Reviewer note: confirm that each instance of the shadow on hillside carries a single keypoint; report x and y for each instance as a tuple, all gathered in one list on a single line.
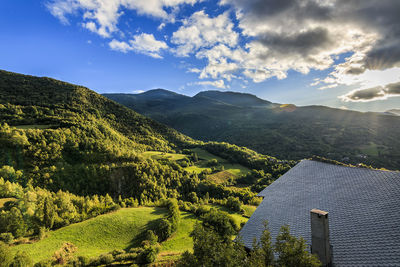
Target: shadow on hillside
[(137, 240)]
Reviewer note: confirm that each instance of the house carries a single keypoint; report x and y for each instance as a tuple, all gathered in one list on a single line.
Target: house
[(363, 207)]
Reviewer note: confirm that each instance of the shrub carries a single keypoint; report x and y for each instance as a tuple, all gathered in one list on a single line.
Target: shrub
[(65, 253), (149, 255), (106, 259), (151, 237), (126, 257), (21, 259), (7, 238), (164, 229), (233, 203), (46, 263), (220, 222), (192, 197)]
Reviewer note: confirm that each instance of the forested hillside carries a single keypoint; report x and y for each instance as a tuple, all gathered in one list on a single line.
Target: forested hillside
[(68, 154), (284, 131)]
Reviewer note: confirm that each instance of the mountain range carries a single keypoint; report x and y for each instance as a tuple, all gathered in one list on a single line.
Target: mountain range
[(282, 130)]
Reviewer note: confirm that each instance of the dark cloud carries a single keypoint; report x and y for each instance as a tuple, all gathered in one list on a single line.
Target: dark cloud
[(393, 88), (302, 43), (355, 71), (381, 17), (374, 93)]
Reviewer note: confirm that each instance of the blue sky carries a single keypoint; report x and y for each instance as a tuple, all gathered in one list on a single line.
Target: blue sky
[(269, 48)]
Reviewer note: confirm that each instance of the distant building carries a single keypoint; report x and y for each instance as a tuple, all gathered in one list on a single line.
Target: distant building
[(350, 216)]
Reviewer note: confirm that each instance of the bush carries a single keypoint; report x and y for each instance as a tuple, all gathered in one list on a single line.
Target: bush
[(192, 197), (149, 255), (151, 237), (65, 253), (47, 263), (164, 229), (7, 238), (220, 222), (126, 257), (233, 203), (106, 259), (212, 163), (21, 259)]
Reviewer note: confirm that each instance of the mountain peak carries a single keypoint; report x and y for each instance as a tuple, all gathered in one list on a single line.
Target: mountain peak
[(159, 92), (235, 98)]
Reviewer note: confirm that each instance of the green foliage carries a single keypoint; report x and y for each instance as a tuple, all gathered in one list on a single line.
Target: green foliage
[(163, 230), (212, 163), (211, 249), (64, 254), (233, 203), (21, 259), (5, 255), (7, 238), (286, 131), (37, 207), (293, 251), (151, 237), (220, 222)]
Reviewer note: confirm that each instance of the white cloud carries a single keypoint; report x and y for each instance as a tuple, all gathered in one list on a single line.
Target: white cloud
[(202, 31), (143, 43), (120, 46), (161, 26), (138, 91), (217, 84), (102, 16)]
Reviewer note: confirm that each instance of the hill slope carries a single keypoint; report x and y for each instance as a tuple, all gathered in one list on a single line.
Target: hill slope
[(64, 136), (119, 230), (284, 131)]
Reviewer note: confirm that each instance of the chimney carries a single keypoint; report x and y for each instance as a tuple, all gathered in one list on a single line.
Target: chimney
[(320, 243)]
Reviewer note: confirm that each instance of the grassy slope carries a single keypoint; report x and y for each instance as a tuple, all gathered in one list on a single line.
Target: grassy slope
[(235, 169), (118, 230)]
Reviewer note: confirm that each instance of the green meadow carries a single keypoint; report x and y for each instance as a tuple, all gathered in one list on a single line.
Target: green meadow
[(122, 229)]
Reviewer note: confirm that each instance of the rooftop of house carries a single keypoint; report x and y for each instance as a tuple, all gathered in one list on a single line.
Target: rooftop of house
[(363, 206)]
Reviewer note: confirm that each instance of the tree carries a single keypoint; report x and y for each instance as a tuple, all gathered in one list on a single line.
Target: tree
[(210, 249), (293, 251), (262, 253), (49, 213), (233, 203), (221, 223), (163, 230)]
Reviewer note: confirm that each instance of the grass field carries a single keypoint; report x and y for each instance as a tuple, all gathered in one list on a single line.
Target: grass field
[(161, 155), (231, 170), (119, 230), (180, 241), (372, 149), (248, 210), (234, 169)]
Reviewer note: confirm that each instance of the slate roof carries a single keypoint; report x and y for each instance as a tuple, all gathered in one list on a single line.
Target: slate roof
[(363, 206)]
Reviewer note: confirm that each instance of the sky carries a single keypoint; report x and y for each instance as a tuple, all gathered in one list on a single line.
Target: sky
[(338, 53)]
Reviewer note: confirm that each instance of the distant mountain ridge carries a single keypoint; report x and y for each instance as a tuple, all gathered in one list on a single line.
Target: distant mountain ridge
[(281, 130)]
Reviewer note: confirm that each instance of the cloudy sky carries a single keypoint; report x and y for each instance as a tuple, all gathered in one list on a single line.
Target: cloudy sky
[(339, 53)]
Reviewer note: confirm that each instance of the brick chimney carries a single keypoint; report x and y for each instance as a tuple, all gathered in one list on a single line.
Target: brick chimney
[(320, 243)]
